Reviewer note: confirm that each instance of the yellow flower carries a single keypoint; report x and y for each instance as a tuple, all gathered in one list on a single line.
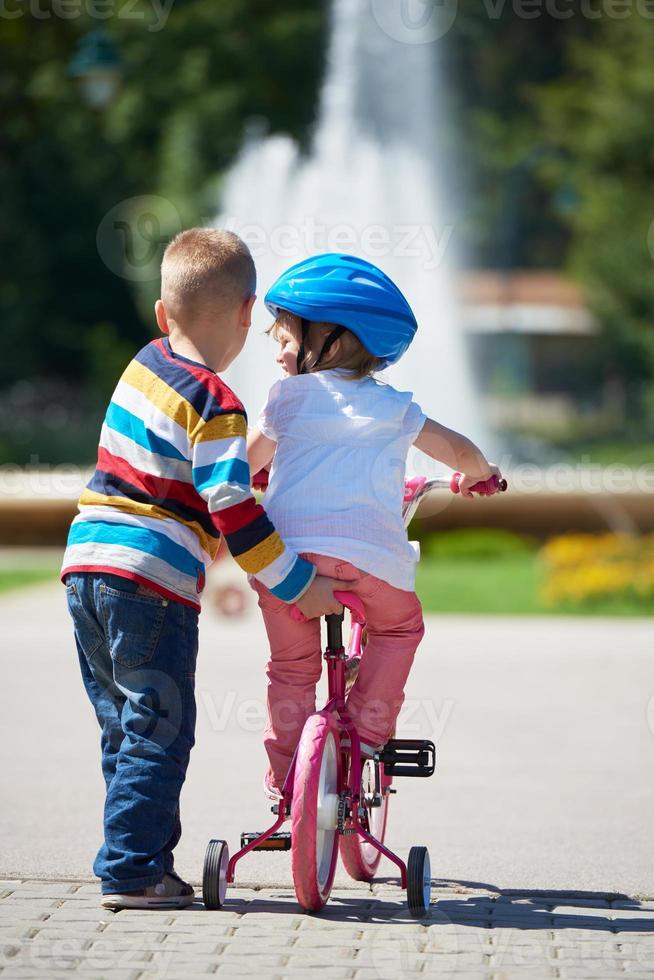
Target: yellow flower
[(583, 568)]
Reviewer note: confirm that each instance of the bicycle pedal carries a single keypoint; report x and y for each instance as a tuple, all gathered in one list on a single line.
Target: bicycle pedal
[(281, 841), (408, 757)]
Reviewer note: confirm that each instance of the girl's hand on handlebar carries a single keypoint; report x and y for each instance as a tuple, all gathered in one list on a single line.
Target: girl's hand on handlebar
[(319, 599), (467, 482)]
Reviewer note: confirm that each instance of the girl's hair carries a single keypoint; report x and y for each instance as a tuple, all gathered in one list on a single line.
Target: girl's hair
[(352, 357)]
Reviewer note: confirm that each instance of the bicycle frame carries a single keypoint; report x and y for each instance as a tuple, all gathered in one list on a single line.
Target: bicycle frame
[(335, 658)]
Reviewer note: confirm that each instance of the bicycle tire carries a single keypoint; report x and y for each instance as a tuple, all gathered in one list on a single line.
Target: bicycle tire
[(214, 874), (418, 881), (360, 858), (314, 832)]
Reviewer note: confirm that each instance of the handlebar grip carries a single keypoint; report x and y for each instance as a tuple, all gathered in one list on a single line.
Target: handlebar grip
[(485, 488), (260, 480)]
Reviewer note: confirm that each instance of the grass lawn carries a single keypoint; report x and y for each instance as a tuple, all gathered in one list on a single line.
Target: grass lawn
[(499, 584), (604, 452), (14, 578)]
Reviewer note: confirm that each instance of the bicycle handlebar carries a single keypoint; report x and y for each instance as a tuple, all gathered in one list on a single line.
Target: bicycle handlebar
[(485, 488), (414, 490)]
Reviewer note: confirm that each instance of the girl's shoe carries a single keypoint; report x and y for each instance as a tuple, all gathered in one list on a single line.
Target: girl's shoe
[(351, 672), (367, 751), (170, 893), (269, 788)]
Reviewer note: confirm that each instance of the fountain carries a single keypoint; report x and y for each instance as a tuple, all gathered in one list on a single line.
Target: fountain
[(369, 186)]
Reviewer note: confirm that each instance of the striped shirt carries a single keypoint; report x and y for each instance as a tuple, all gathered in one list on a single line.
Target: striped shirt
[(172, 476)]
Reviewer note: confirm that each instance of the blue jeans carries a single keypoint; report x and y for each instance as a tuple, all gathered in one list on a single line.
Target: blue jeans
[(137, 653)]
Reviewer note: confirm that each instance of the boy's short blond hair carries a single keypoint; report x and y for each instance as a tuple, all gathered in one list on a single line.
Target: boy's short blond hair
[(206, 266)]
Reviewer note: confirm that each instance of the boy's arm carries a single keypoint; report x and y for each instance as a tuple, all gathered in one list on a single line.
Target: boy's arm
[(221, 476), (456, 451), (261, 450)]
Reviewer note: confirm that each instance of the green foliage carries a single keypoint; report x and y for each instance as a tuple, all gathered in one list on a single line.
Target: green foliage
[(507, 584), (607, 452), (28, 567), (192, 84), (543, 131), (598, 117), (476, 543), (492, 62), (19, 578), (547, 134)]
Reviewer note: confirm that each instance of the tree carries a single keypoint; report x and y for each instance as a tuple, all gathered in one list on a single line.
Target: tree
[(492, 63), (597, 120), (192, 82)]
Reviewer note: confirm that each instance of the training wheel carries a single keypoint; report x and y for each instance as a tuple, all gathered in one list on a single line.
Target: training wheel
[(418, 881), (214, 874)]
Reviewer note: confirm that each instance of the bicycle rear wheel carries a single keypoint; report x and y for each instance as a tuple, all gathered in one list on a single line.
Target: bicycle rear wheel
[(360, 858), (314, 811)]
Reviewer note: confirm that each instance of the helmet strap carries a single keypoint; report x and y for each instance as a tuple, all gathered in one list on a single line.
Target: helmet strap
[(301, 354), (333, 336)]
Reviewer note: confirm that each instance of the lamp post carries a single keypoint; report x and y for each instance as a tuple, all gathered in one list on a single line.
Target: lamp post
[(98, 67)]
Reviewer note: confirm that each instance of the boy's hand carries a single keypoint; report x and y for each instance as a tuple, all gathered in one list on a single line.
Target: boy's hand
[(319, 599), (466, 482)]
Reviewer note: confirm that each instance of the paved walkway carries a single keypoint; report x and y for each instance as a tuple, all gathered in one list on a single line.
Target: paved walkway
[(544, 732), (56, 929), (539, 818)]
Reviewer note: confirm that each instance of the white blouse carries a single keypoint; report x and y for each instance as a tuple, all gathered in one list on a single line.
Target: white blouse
[(337, 478)]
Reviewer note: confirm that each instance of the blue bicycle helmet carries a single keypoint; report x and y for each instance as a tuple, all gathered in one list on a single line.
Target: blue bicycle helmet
[(352, 293)]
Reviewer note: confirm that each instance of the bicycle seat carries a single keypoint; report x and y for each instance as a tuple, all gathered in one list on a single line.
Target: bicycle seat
[(354, 604), (347, 599)]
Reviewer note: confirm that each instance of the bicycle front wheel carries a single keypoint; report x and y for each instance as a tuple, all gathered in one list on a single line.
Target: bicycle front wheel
[(314, 811), (360, 858)]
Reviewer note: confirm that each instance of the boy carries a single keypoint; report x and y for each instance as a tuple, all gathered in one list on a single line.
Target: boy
[(172, 476)]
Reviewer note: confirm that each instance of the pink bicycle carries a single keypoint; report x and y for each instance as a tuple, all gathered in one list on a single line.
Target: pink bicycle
[(337, 799)]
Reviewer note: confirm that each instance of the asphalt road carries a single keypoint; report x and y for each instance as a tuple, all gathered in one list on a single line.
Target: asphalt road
[(544, 730)]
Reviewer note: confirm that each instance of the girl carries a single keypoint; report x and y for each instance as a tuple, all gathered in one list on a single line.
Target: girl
[(338, 440)]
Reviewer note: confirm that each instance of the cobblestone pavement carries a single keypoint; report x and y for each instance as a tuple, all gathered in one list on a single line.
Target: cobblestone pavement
[(55, 929), (544, 731)]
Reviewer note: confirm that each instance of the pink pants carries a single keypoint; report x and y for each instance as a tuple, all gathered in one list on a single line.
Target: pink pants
[(395, 628)]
